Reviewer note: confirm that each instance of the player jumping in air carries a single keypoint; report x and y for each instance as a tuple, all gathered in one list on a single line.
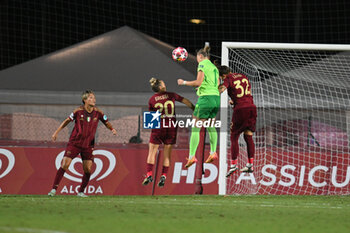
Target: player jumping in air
[(164, 102), (81, 140), (208, 103), (243, 117)]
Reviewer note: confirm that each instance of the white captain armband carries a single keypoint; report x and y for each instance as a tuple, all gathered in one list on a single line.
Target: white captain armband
[(71, 116)]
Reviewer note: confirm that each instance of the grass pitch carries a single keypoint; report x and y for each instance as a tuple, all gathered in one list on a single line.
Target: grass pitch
[(165, 214)]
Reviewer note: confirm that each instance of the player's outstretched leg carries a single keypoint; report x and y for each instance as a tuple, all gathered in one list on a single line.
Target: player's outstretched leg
[(166, 161), (248, 137), (85, 181), (59, 175), (149, 177), (87, 164), (213, 138), (165, 169), (194, 141), (152, 151)]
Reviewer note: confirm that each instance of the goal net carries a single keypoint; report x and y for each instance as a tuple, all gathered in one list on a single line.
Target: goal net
[(302, 93)]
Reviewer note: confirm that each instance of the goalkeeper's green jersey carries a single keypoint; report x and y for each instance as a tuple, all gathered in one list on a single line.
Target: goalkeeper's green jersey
[(210, 84)]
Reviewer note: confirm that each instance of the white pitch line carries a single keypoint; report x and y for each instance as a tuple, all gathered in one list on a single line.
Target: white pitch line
[(29, 230)]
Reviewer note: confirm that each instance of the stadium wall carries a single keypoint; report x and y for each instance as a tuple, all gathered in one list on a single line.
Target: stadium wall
[(120, 171)]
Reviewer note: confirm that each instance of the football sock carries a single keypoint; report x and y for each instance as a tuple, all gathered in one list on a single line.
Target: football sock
[(59, 174), (86, 178), (213, 138), (149, 169), (234, 162), (234, 146), (165, 170), (250, 161), (250, 147), (194, 141)]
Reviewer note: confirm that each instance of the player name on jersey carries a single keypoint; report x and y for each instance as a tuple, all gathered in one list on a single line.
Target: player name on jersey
[(162, 97)]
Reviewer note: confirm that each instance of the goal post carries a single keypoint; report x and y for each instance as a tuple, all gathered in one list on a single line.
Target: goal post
[(223, 130), (302, 93)]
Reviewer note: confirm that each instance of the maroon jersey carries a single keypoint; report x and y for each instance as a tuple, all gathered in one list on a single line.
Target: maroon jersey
[(83, 134), (239, 90), (165, 103)]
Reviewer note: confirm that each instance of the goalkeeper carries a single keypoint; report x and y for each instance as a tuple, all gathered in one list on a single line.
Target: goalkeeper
[(208, 103)]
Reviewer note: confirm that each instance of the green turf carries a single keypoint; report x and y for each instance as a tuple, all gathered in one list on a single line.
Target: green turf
[(175, 214)]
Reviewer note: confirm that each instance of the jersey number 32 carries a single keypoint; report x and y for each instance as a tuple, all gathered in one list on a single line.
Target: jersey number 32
[(244, 91)]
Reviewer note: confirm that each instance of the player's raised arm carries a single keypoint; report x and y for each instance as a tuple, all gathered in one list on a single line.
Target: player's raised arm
[(194, 83), (188, 103), (183, 100), (223, 72), (63, 124)]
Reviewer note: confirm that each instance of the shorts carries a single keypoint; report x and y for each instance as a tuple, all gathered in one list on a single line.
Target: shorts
[(207, 106), (243, 119), (73, 151), (166, 136)]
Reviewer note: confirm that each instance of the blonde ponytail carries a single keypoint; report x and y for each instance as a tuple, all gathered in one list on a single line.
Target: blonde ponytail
[(207, 49), (152, 81), (155, 83), (204, 51)]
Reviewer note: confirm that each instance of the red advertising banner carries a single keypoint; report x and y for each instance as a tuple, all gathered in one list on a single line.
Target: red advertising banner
[(26, 170), (286, 172), (31, 170)]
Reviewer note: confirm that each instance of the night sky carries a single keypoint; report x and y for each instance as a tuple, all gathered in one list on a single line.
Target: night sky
[(30, 29)]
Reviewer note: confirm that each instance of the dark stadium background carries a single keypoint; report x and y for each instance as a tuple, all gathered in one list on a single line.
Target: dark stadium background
[(32, 28)]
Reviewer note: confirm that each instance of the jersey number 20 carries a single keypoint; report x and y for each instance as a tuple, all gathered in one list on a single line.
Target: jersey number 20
[(168, 111)]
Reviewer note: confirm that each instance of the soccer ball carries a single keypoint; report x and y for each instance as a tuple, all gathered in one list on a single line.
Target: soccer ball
[(180, 54)]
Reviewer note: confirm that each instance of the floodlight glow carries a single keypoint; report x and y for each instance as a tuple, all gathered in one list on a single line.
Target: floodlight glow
[(197, 21)]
